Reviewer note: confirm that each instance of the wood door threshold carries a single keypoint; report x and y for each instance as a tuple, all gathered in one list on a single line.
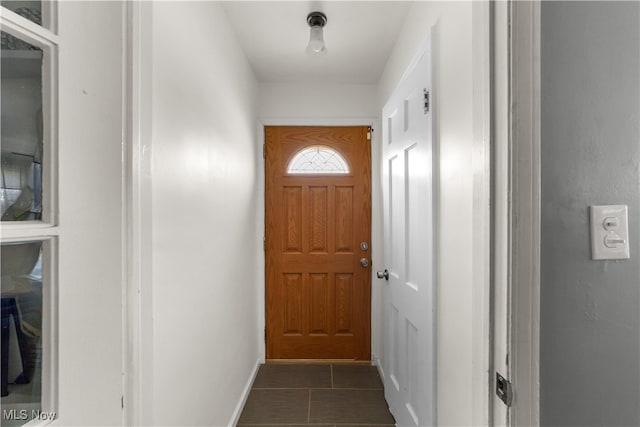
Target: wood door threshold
[(318, 361)]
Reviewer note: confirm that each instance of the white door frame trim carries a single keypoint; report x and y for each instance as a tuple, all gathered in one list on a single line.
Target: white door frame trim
[(138, 289), (376, 215), (516, 203), (501, 209), (525, 211), (482, 221)]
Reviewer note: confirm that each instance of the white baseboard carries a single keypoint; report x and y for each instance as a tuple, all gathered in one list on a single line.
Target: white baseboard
[(378, 364), (243, 398)]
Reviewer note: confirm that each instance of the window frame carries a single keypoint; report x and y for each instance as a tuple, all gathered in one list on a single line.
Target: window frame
[(342, 158), (48, 42), (45, 230)]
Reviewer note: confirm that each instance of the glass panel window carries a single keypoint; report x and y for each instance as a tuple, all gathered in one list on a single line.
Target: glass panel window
[(21, 130), (22, 315), (318, 159), (29, 9), (28, 111)]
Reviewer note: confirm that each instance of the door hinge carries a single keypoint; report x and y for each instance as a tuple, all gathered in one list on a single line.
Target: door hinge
[(426, 101), (265, 334), (264, 244), (369, 132), (122, 401), (264, 151), (504, 389)]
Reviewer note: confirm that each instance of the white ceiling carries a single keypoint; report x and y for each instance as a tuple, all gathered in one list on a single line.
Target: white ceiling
[(359, 36)]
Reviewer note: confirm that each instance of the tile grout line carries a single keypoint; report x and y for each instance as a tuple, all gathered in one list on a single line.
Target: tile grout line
[(331, 368), (309, 409)]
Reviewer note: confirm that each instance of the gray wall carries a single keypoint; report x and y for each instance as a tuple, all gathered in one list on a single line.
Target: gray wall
[(589, 349)]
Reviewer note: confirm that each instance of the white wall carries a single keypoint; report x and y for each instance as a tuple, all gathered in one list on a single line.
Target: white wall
[(317, 101), (204, 206), (453, 103), (90, 246)]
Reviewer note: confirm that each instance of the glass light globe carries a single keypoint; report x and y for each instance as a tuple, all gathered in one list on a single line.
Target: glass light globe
[(316, 42)]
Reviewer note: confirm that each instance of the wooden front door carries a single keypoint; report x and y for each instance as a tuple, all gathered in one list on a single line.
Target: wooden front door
[(318, 231)]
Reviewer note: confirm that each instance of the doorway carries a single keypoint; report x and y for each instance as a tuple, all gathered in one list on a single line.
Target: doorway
[(317, 242)]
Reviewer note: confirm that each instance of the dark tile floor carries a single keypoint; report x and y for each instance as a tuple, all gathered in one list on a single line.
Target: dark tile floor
[(295, 395)]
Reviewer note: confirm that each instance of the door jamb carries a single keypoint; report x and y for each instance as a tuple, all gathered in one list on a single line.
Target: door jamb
[(482, 164), (137, 296), (376, 219), (500, 342), (520, 248), (525, 211)]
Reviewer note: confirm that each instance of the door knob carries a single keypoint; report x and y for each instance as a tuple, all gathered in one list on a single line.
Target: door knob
[(383, 275), (364, 262)]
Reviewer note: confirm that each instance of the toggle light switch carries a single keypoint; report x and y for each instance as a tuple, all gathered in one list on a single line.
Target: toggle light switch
[(609, 232), (611, 223), (613, 241)]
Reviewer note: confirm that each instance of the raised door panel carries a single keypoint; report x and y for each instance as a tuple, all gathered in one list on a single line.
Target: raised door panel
[(319, 303), (318, 221), (292, 199), (344, 219), (344, 304), (292, 304)]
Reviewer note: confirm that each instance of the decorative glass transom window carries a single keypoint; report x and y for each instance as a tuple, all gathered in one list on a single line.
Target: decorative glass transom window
[(318, 159)]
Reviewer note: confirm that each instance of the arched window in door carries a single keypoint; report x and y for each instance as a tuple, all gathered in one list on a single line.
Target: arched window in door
[(318, 159)]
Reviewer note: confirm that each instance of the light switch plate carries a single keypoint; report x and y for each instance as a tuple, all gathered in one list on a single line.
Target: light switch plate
[(609, 232)]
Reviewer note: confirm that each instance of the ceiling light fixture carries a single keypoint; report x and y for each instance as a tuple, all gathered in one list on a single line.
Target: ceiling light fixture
[(316, 21)]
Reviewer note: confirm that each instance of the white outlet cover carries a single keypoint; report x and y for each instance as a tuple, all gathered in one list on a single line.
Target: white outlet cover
[(609, 232)]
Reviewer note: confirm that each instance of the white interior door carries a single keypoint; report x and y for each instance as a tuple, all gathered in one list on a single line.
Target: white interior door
[(408, 186)]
